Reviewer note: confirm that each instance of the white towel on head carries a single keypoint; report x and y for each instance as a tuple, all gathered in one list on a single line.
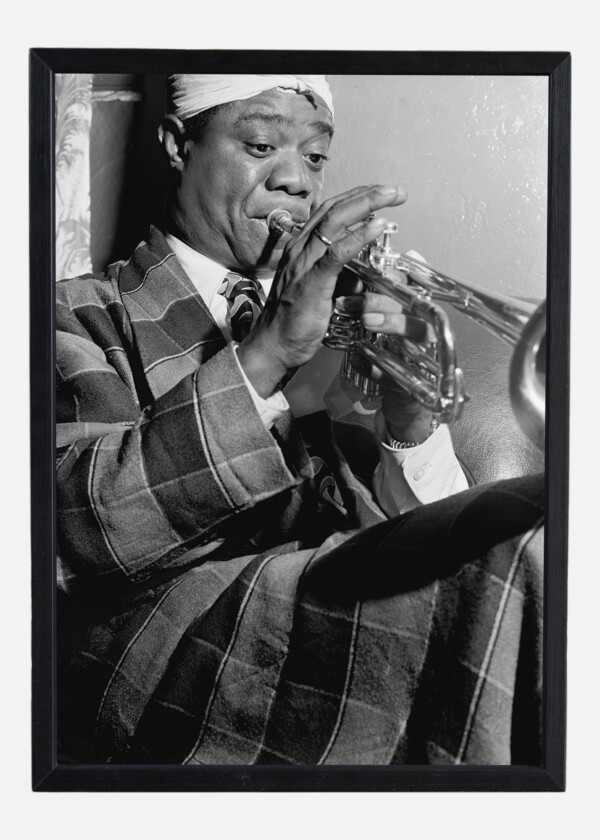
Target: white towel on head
[(192, 93)]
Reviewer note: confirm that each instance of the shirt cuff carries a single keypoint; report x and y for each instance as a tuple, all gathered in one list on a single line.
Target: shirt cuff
[(269, 409), (407, 478)]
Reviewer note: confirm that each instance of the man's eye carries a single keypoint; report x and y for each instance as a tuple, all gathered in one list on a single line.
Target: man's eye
[(316, 160), (259, 149)]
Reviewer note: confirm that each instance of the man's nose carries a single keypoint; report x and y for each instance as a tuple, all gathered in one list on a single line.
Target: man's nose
[(289, 173)]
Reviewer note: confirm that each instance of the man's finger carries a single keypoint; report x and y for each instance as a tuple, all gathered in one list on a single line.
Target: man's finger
[(304, 235), (383, 314), (334, 218), (372, 302), (351, 211), (348, 246), (399, 324)]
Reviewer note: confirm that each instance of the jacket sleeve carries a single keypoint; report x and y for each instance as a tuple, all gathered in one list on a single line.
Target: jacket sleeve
[(137, 487)]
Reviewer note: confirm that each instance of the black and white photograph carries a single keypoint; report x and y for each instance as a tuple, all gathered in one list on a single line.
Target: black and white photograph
[(308, 519)]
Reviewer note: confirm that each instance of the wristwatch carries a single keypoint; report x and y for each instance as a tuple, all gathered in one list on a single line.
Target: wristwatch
[(393, 443)]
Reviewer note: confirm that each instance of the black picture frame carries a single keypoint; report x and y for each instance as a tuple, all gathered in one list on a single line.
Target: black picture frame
[(47, 774)]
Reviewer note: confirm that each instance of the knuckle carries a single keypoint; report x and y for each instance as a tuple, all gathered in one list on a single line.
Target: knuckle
[(373, 301), (383, 303), (352, 242), (337, 252), (327, 204), (328, 216)]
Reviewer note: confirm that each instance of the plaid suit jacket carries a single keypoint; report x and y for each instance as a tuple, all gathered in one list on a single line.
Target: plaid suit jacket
[(160, 446), (204, 619)]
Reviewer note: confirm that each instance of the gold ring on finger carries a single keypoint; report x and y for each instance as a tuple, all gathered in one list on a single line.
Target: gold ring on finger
[(323, 238)]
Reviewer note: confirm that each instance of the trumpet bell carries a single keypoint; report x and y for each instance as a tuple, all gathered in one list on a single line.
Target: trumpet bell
[(528, 377)]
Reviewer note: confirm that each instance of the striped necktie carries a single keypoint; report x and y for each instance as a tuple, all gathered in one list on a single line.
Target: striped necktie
[(243, 300)]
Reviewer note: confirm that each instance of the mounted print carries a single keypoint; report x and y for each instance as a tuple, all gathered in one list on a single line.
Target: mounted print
[(299, 419)]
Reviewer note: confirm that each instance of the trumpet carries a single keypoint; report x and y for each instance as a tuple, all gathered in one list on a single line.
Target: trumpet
[(429, 371)]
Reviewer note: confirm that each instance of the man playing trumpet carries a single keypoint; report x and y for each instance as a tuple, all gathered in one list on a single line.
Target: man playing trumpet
[(235, 594)]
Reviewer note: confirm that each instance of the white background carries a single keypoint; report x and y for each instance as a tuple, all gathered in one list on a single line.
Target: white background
[(459, 25)]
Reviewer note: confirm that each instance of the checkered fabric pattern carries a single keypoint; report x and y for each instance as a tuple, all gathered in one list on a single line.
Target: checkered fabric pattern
[(243, 300), (214, 610)]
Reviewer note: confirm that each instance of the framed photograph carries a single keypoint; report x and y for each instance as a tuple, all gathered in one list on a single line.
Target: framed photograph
[(299, 413)]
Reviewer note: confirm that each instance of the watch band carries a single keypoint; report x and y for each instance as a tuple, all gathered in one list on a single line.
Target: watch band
[(393, 443)]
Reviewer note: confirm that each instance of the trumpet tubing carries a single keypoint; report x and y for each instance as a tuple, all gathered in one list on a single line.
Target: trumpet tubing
[(429, 372)]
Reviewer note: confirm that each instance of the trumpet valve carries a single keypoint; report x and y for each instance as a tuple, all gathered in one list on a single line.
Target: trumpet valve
[(382, 255)]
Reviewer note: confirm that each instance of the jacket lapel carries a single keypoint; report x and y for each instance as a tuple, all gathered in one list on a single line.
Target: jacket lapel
[(173, 330)]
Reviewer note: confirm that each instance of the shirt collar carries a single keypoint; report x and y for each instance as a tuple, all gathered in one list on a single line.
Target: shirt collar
[(206, 274)]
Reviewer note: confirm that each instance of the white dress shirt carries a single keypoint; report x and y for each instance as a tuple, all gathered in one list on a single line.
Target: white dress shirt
[(404, 478), (207, 276)]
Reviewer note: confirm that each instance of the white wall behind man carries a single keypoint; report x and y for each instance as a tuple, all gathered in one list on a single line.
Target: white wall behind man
[(472, 153)]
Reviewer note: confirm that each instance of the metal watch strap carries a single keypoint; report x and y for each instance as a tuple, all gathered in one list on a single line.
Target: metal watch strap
[(391, 441)]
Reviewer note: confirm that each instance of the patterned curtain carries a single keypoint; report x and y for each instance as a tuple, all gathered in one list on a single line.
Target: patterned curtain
[(73, 122)]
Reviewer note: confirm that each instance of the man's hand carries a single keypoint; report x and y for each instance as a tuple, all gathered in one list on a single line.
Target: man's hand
[(407, 419), (297, 312)]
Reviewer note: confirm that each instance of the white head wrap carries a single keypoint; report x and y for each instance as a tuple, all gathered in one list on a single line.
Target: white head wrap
[(192, 93)]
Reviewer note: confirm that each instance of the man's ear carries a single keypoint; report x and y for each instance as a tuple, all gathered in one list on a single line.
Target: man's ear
[(171, 135)]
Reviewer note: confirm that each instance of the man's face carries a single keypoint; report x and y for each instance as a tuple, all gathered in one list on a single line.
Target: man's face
[(254, 156)]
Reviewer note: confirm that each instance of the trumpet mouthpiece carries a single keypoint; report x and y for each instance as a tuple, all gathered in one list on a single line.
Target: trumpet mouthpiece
[(281, 221)]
